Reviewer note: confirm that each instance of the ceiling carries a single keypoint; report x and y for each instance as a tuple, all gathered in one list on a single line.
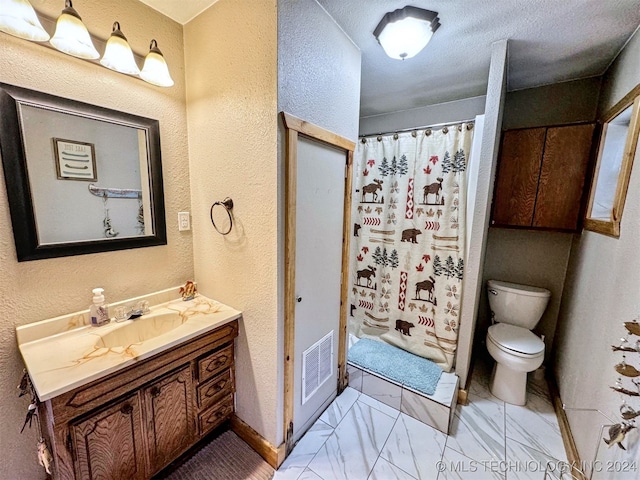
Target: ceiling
[(549, 41)]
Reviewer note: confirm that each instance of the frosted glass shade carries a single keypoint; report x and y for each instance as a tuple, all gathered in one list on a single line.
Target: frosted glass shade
[(405, 32), (18, 18), (155, 69), (71, 36), (118, 55)]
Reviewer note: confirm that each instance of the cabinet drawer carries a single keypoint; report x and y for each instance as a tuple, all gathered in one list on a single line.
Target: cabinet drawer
[(217, 387), (215, 415), (214, 363)]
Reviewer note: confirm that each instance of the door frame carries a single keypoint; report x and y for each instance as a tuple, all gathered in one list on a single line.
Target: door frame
[(294, 127)]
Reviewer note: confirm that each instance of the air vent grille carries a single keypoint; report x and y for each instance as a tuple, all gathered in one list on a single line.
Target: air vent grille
[(317, 366)]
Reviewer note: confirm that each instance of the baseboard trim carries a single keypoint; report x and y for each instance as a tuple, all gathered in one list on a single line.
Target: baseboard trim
[(463, 397), (274, 456), (573, 457)]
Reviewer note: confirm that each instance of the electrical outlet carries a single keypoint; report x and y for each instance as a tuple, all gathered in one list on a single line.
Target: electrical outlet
[(184, 222)]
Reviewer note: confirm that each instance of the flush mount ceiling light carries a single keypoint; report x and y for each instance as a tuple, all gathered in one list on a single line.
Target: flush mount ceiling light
[(18, 18), (403, 33), (71, 36), (155, 70), (118, 55)]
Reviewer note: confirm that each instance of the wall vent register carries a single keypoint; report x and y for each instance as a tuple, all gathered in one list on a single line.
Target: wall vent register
[(317, 366)]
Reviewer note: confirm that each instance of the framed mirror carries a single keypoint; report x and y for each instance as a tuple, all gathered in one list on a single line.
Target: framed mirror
[(616, 150), (80, 178)]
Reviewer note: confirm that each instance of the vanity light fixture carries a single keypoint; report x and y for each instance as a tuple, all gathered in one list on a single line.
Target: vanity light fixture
[(403, 33), (118, 55), (18, 18), (155, 70), (71, 36)]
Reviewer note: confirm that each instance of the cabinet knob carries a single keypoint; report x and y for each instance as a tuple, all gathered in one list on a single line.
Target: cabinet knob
[(155, 391), (298, 299), (126, 409)]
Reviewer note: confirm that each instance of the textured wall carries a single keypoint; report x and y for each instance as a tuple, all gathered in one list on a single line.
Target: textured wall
[(231, 76), (31, 291), (601, 292), (456, 111)]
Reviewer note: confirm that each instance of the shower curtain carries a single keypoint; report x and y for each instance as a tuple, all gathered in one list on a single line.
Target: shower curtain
[(407, 251)]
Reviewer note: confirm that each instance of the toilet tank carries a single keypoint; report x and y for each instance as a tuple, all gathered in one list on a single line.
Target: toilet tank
[(515, 304)]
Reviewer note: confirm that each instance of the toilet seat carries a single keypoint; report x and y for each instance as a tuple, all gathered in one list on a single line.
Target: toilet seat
[(515, 340)]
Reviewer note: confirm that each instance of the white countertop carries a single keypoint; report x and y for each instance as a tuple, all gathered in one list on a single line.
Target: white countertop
[(64, 353)]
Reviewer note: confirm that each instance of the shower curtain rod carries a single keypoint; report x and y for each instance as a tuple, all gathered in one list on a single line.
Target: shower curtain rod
[(426, 127)]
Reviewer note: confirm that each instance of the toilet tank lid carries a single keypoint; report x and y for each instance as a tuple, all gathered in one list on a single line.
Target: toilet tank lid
[(527, 290), (516, 338)]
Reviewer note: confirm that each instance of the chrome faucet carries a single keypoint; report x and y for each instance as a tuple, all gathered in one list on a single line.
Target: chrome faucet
[(129, 312)]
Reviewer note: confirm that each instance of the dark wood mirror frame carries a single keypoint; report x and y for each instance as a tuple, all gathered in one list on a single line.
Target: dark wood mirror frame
[(18, 187)]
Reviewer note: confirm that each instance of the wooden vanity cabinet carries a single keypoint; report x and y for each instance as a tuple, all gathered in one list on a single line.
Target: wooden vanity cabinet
[(541, 177), (133, 423)]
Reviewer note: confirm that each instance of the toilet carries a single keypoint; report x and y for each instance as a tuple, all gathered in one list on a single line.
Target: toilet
[(515, 310)]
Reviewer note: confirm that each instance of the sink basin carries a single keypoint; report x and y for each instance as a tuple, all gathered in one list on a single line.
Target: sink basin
[(140, 330)]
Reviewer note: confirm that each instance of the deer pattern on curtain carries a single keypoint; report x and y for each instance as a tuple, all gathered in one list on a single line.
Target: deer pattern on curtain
[(407, 254)]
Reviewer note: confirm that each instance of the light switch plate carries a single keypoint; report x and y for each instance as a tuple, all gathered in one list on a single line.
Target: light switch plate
[(184, 222)]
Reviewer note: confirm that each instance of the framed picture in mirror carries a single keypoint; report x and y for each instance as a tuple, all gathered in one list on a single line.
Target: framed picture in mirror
[(616, 150)]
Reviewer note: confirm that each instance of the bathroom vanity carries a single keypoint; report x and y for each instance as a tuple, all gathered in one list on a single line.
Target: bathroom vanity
[(142, 404)]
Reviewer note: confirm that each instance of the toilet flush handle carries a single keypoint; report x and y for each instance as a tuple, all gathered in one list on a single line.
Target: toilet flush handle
[(493, 292)]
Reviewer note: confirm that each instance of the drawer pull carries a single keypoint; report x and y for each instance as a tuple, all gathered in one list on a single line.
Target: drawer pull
[(155, 391), (126, 409), (220, 362)]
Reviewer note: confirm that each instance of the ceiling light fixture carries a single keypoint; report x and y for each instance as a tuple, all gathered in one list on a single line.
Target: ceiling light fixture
[(403, 33), (118, 55), (71, 36), (155, 70), (18, 18)]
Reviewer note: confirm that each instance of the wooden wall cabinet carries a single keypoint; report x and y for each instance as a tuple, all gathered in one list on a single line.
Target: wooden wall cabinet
[(541, 177), (133, 423)]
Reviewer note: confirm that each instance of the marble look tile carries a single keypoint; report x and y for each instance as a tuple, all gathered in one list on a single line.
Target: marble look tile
[(478, 430), (304, 451), (446, 390), (414, 447), (456, 466), (536, 425), (425, 410), (384, 470), (333, 415), (353, 448), (355, 377), (309, 475), (384, 408), (526, 463), (382, 390)]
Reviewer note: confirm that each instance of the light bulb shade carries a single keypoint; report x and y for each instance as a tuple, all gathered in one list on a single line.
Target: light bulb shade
[(18, 18), (155, 69), (405, 32), (118, 55), (71, 36)]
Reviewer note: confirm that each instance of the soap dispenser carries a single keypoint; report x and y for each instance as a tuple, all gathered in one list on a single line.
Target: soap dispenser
[(99, 310)]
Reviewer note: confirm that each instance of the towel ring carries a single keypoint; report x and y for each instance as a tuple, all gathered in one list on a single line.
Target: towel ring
[(227, 203)]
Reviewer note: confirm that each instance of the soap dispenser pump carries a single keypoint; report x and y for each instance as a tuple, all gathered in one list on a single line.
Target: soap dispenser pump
[(99, 310)]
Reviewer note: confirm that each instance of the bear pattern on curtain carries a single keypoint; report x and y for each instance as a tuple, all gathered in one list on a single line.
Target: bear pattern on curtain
[(407, 254)]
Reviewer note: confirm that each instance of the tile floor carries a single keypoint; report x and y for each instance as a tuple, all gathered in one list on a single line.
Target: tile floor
[(360, 438)]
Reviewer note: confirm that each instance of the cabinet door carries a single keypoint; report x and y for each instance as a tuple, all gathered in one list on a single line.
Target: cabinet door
[(517, 179), (109, 444), (170, 418), (564, 168)]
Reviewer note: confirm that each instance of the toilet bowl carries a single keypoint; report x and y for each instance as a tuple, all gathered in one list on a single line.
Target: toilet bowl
[(515, 310)]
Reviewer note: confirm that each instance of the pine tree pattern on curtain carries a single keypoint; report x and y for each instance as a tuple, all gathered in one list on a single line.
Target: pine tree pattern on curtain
[(407, 254)]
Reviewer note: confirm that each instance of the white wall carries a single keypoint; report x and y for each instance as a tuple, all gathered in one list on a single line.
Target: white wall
[(601, 292), (448, 112), (231, 76)]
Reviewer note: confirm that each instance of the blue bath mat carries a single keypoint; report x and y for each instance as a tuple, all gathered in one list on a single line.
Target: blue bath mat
[(396, 364)]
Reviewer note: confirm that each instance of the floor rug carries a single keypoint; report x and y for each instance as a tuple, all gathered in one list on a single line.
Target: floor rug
[(226, 457), (396, 365)]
